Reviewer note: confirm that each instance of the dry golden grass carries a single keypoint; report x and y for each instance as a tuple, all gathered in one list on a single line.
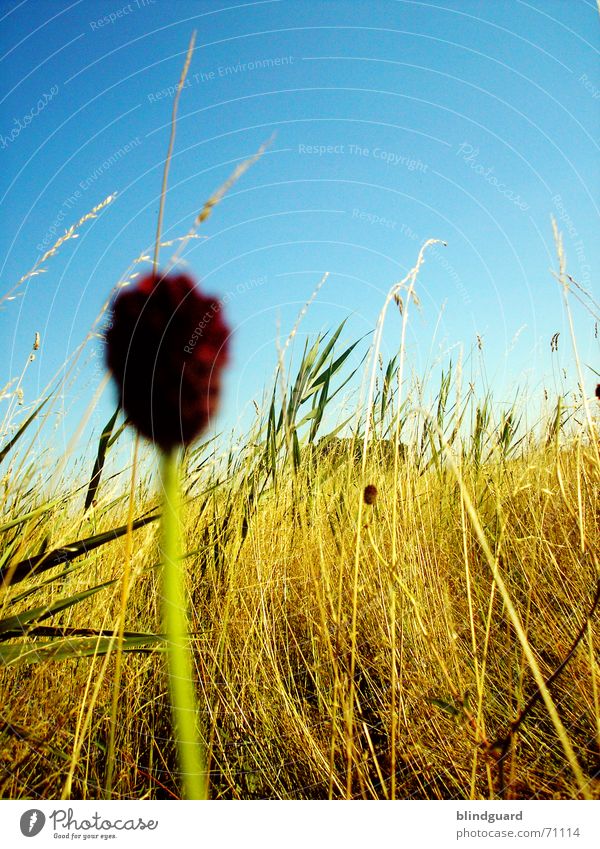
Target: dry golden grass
[(302, 697)]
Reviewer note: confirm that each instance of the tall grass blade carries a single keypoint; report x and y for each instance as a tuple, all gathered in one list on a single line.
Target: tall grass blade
[(6, 448), (67, 649), (26, 517), (100, 458), (42, 562), (12, 626)]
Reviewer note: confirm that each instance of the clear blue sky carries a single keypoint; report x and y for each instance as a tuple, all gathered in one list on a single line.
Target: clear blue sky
[(395, 121)]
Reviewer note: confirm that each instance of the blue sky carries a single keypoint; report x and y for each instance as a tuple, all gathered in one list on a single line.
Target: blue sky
[(395, 121)]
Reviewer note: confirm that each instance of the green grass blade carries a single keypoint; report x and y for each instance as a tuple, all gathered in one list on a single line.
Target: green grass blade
[(17, 654), (27, 516), (328, 373), (42, 562), (36, 587), (296, 450), (328, 348), (100, 458), (387, 384), (12, 625), (321, 403), (4, 451)]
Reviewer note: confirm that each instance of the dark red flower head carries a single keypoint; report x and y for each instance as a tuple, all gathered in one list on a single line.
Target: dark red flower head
[(166, 348), (370, 494)]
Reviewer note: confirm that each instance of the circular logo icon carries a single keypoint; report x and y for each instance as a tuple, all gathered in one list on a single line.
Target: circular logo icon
[(32, 822)]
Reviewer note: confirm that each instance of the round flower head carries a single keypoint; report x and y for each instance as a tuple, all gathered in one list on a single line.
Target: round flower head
[(165, 348), (370, 494)]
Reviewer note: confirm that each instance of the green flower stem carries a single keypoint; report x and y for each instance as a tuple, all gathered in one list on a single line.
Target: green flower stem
[(190, 750)]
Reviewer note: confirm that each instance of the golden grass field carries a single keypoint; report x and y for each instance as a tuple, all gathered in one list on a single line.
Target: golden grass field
[(394, 649)]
